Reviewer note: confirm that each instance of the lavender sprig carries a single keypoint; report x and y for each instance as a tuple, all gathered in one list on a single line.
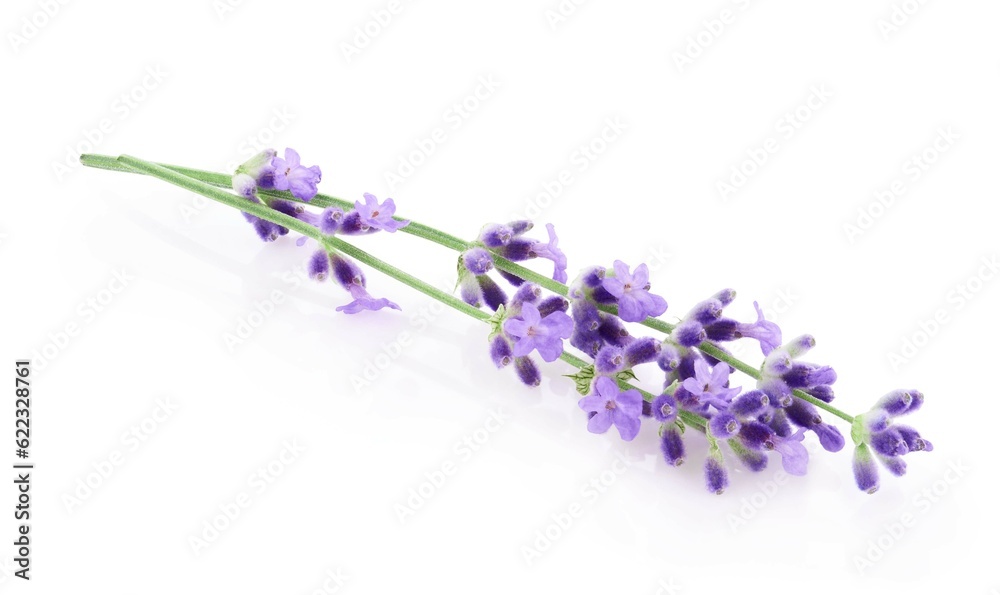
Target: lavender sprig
[(696, 391)]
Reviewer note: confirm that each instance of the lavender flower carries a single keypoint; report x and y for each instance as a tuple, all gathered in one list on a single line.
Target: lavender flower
[(764, 331), (352, 279), (794, 456), (364, 301), (696, 387), (378, 216), (613, 407), (635, 303), (710, 385), (780, 374), (876, 433), (536, 333), (291, 175), (550, 250)]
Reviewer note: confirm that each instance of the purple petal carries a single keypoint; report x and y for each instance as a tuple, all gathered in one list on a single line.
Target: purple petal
[(720, 374), (630, 403), (702, 371), (829, 437), (530, 314), (629, 309), (516, 327), (640, 277), (524, 346), (614, 286), (694, 386), (622, 272), (388, 208), (600, 422), (594, 402), (628, 427), (656, 306), (607, 388), (559, 324), (794, 456), (550, 348)]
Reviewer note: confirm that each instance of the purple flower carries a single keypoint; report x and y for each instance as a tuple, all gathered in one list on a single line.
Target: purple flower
[(364, 301), (613, 407), (794, 456), (767, 333), (352, 279), (551, 251), (536, 333), (709, 384), (291, 175), (635, 302), (378, 215)]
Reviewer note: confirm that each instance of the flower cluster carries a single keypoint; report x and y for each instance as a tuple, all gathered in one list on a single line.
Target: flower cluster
[(267, 171), (593, 315), (773, 416), (876, 433)]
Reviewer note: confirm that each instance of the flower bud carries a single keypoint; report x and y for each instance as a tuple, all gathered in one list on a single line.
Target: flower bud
[(716, 477), (477, 260), (609, 360), (495, 236), (672, 445), (527, 371), (319, 265), (330, 220), (750, 404), (689, 333), (492, 294), (723, 425), (554, 303), (500, 351), (664, 408), (641, 351), (865, 470)]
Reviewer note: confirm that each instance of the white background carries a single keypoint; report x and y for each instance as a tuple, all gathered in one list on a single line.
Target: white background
[(196, 272)]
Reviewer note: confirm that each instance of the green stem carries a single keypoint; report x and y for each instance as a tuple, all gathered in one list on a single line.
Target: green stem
[(422, 231)]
